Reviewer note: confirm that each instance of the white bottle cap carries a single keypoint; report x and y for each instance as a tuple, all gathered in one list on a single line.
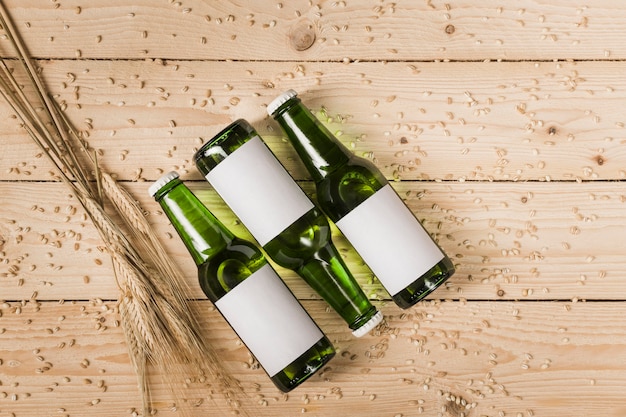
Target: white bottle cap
[(162, 182), (280, 100), (365, 329)]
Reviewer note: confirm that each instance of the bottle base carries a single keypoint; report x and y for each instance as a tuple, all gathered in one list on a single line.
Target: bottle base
[(425, 284), (305, 366)]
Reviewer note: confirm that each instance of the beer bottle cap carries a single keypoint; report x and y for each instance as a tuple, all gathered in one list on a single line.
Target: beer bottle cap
[(365, 329), (280, 100), (162, 182)]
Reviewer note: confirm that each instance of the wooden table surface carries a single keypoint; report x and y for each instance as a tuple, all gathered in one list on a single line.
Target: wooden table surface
[(502, 123)]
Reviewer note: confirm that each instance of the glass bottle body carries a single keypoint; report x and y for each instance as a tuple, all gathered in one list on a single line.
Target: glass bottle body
[(357, 197), (236, 277), (290, 228), (347, 188), (238, 261)]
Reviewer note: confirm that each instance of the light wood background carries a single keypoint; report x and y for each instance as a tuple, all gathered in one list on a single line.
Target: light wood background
[(502, 122)]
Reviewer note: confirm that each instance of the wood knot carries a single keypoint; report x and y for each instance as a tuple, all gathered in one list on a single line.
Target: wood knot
[(302, 35), (599, 160), (450, 29)]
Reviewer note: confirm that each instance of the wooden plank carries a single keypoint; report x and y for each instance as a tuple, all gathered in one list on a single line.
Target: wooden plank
[(509, 240), (310, 31), (495, 121), (556, 359)]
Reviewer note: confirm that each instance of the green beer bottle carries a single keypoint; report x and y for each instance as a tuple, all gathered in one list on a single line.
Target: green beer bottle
[(236, 277), (356, 196), (283, 219)]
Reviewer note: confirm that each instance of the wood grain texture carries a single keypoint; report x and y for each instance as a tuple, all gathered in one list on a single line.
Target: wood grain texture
[(69, 359), (325, 30), (509, 240), (496, 121), (502, 125)]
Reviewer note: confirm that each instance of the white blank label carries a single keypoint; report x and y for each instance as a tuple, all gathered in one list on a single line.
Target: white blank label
[(391, 241), (259, 190), (269, 320)]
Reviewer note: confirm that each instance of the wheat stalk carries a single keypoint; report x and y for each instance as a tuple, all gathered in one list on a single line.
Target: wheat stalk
[(154, 308)]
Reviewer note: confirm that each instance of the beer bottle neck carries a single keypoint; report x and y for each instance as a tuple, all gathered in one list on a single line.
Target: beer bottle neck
[(320, 151), (203, 235)]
